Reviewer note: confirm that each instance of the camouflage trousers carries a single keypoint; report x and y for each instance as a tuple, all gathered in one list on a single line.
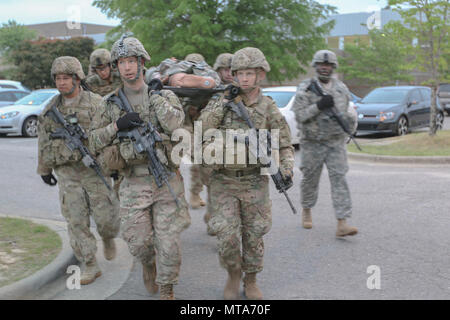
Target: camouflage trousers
[(313, 157), (151, 221), (82, 194), (241, 212), (200, 177)]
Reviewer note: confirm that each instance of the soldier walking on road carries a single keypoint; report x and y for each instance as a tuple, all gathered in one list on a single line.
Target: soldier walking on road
[(240, 201), (151, 220), (81, 192), (323, 140), (103, 80)]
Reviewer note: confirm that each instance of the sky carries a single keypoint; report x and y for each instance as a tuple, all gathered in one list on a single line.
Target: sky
[(41, 11)]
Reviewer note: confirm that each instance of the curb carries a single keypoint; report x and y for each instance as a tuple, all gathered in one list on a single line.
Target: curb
[(28, 286), (399, 159)]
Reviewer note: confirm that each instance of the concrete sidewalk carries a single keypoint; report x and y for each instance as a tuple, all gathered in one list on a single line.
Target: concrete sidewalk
[(50, 281)]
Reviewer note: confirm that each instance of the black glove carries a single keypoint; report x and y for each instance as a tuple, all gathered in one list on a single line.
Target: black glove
[(50, 179), (326, 102), (115, 176), (130, 120)]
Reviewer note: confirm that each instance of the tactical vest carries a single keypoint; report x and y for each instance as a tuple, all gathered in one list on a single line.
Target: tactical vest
[(126, 147), (258, 115), (103, 87), (54, 151)]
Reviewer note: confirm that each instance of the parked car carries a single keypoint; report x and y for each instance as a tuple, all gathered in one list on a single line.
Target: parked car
[(21, 117), (443, 96), (396, 110), (284, 98), (355, 98), (9, 84), (9, 96)]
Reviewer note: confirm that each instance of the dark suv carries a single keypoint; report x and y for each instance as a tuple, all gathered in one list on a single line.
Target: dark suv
[(396, 110), (444, 96)]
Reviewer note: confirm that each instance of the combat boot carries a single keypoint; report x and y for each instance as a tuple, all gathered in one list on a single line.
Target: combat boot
[(89, 272), (206, 219), (306, 218), (166, 292), (196, 202), (109, 249), (251, 290), (231, 291), (345, 230), (149, 275)]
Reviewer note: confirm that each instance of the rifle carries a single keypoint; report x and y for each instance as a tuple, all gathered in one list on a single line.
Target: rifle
[(316, 88), (73, 133), (144, 137), (238, 107)]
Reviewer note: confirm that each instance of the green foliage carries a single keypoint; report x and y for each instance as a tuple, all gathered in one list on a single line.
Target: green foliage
[(383, 61), (426, 22), (33, 60), (12, 35), (287, 31)]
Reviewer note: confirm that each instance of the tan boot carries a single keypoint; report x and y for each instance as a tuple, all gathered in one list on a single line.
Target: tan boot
[(231, 291), (149, 275), (345, 230), (166, 292), (89, 272), (196, 202), (206, 219), (109, 249), (251, 290), (306, 218)]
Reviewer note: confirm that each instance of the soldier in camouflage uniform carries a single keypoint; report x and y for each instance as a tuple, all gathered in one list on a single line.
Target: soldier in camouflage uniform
[(241, 205), (151, 221), (193, 71), (102, 78), (323, 140), (82, 194), (223, 67)]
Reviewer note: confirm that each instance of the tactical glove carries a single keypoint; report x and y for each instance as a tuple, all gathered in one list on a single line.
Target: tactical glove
[(50, 179), (325, 103), (155, 86), (130, 120)]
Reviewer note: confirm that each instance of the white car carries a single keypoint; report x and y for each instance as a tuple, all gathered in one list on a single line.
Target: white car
[(284, 98), (9, 84), (21, 117)]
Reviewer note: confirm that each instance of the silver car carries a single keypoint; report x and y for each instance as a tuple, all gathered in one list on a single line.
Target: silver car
[(21, 117)]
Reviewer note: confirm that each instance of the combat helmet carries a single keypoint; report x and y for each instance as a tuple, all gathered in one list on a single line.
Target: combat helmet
[(325, 56), (223, 61), (67, 65), (128, 47), (195, 57), (99, 57), (249, 58)]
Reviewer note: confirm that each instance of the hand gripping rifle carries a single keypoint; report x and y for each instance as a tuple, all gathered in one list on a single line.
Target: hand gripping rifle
[(73, 133), (144, 137), (316, 88), (238, 107)]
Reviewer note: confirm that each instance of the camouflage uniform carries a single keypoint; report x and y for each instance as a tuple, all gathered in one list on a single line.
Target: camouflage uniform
[(323, 142), (82, 194), (103, 87), (241, 206), (151, 222)]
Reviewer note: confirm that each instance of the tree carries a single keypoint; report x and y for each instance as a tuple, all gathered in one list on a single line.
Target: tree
[(383, 60), (12, 35), (287, 31), (33, 59), (427, 23)]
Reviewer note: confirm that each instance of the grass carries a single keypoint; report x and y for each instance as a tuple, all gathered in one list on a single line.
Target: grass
[(25, 248), (415, 144)]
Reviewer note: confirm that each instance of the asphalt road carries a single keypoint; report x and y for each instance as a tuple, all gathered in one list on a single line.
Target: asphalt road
[(400, 211)]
